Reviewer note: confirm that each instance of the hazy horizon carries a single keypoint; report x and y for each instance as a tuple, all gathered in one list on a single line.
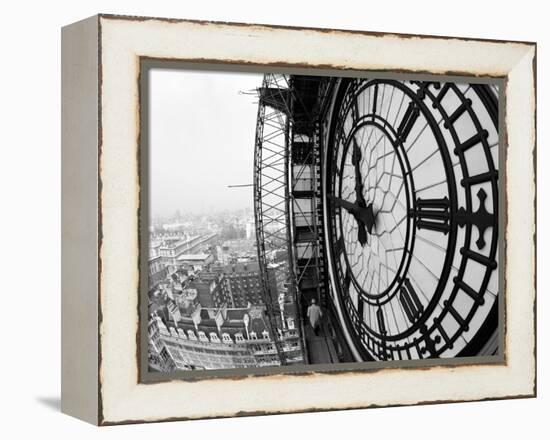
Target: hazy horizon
[(201, 139)]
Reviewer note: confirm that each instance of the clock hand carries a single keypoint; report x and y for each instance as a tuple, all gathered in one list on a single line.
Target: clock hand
[(361, 233), (363, 215), (368, 217), (356, 161), (354, 210)]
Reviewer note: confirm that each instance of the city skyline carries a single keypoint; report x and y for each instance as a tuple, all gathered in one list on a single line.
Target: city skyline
[(185, 213)]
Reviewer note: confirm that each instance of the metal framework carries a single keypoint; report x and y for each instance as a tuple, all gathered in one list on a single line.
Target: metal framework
[(307, 224), (287, 189), (271, 201), (308, 136)]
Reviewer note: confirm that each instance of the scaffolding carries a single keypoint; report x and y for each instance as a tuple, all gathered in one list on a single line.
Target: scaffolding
[(271, 192), (287, 188)]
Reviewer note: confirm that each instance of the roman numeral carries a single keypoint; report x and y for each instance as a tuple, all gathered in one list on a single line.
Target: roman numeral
[(410, 301), (433, 214), (409, 118), (381, 323)]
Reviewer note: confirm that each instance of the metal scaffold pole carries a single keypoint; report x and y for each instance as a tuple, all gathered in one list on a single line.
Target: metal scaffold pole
[(271, 194)]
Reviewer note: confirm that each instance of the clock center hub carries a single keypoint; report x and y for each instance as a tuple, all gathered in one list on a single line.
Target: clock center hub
[(375, 179)]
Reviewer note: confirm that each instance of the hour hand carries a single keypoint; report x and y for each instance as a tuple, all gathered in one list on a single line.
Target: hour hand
[(368, 217), (356, 161), (361, 233), (354, 210), (363, 215)]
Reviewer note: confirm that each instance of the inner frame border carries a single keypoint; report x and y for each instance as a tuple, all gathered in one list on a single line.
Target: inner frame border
[(146, 64)]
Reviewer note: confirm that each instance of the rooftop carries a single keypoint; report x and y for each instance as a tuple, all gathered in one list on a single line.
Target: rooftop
[(188, 257), (249, 266)]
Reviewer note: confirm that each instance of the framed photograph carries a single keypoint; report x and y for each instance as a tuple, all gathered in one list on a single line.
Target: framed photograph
[(302, 219)]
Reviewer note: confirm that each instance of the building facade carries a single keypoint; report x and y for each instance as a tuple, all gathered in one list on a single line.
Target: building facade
[(242, 283), (208, 315), (157, 271), (172, 246), (212, 338)]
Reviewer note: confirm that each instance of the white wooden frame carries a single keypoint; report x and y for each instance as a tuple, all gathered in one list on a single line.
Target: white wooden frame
[(100, 136)]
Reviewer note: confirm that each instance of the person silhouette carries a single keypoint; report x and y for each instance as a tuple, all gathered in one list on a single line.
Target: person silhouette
[(314, 314)]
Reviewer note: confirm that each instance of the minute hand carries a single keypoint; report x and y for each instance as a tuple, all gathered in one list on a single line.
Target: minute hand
[(364, 214), (356, 160)]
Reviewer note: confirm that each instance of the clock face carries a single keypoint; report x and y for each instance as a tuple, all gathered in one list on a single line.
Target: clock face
[(411, 194)]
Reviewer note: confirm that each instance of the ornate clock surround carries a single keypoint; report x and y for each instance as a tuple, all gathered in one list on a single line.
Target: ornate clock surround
[(459, 215)]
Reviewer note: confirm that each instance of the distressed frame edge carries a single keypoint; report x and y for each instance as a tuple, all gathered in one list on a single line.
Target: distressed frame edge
[(104, 422), (123, 17), (80, 196)]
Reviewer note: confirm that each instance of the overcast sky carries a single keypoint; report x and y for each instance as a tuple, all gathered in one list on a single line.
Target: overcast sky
[(201, 140)]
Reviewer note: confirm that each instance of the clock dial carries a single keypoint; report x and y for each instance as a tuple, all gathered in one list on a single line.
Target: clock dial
[(412, 201)]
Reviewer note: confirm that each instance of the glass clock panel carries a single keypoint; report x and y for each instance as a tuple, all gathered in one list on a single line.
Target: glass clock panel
[(412, 196)]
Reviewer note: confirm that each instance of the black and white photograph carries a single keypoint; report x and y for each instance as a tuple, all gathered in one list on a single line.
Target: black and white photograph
[(275, 220), (300, 220)]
